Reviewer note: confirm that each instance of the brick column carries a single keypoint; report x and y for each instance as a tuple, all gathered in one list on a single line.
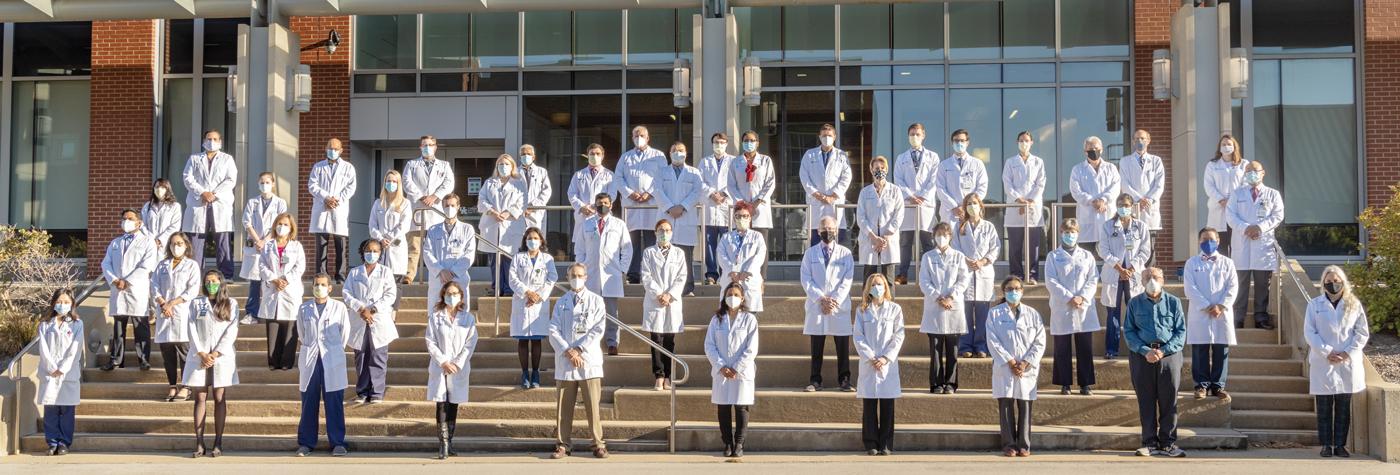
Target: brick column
[(330, 110), (121, 125), (1382, 99), (1152, 21)]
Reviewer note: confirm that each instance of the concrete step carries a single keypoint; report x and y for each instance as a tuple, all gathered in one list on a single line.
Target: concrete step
[(288, 392), (278, 446), (291, 409), (1285, 437), (1277, 420), (775, 288), (1271, 401), (362, 426), (1264, 384)]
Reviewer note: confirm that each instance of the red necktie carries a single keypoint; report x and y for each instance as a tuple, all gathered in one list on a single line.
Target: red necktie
[(1255, 193), (748, 170), (600, 225)]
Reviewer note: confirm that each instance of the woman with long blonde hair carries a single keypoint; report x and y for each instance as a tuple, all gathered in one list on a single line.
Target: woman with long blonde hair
[(976, 238), (878, 335), (389, 220), (1336, 330)]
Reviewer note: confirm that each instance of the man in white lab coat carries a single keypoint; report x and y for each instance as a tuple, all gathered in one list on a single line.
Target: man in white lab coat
[(1254, 212), (1209, 282), (534, 184), (331, 184), (322, 325), (679, 192), (587, 183), (636, 182), (209, 178), (1094, 184), (127, 267), (714, 171), (825, 174), (1144, 178), (575, 327), (827, 272), (916, 174), (959, 174), (606, 252), (449, 251), (426, 182)]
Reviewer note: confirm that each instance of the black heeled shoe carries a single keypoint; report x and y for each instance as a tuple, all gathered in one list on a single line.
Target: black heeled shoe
[(199, 451), (216, 451), (728, 450)]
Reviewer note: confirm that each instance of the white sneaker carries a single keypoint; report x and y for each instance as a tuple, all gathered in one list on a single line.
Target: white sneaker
[(1144, 451)]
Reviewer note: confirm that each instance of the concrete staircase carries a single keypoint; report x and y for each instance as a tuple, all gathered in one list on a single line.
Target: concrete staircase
[(123, 410)]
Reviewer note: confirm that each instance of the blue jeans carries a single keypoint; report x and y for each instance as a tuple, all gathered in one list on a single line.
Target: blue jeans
[(975, 340), (1209, 365), (311, 411), (712, 236), (254, 303), (58, 425), (1115, 320)]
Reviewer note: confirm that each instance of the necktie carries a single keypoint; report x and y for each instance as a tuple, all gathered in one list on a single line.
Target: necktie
[(826, 158), (918, 157), (826, 255), (1141, 162), (592, 171), (749, 169), (526, 176), (1254, 192), (600, 225), (678, 171)]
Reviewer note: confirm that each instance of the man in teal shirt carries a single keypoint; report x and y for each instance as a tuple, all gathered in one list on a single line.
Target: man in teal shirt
[(1156, 331)]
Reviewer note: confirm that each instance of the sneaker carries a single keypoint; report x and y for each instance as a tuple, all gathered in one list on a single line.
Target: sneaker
[(1340, 451), (1144, 451), (373, 400), (1222, 395), (950, 390), (811, 388), (246, 320), (1064, 390), (709, 281), (600, 452), (1200, 393), (1031, 282), (1171, 451), (303, 451), (1110, 357), (847, 388), (1084, 391), (340, 451), (559, 453)]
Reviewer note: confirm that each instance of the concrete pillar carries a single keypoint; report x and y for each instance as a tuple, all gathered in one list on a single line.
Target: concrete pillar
[(715, 87), (267, 131), (1200, 45)]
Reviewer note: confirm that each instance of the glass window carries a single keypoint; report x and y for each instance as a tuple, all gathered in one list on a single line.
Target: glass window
[(548, 80), (469, 82), (598, 80), (686, 45), (974, 30), (819, 76), (177, 136), (179, 41), (1028, 28), (598, 37), (495, 39), (600, 121), (979, 112), (1094, 28), (651, 36), (760, 32), (918, 31), (867, 129), (49, 154), (53, 49), (1028, 72), (649, 79), (1093, 72), (974, 74), (445, 40), (663, 120), (221, 43), (385, 41), (918, 74), (1299, 26), (787, 124), (865, 75), (865, 32), (560, 127), (1085, 112), (807, 33), (547, 38), (924, 107), (382, 83), (1031, 110)]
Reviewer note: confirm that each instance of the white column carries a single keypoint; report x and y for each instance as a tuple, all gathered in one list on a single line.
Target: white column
[(1200, 45)]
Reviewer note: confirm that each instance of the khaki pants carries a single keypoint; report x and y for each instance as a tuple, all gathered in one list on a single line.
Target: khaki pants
[(415, 250), (564, 411)]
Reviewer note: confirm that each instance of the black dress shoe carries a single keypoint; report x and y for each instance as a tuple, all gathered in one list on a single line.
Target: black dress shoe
[(62, 450), (53, 450), (1265, 325), (1341, 451), (739, 450), (145, 366), (728, 450), (1084, 391), (1326, 451), (1064, 390), (872, 452)]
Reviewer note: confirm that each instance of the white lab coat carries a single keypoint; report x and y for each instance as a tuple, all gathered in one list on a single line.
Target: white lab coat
[(606, 255), (60, 348), (577, 322), (422, 178), (1143, 176), (761, 188), (452, 250), (1328, 329), (174, 281), (331, 179), (732, 343), (637, 171), (1205, 283), (833, 177), (821, 278), (714, 171), (282, 306), (980, 241), (918, 182), (744, 252), (944, 274), (663, 272), (130, 260), (1024, 179), (685, 191), (955, 180), (1129, 247), (259, 215), (1015, 338), (1221, 179), (392, 225), (505, 197), (207, 335), (377, 291), (582, 189), (879, 332), (1087, 185), (218, 178), (880, 212), (1070, 274), (1265, 212), (531, 274), (450, 338), (160, 221), (535, 187), (322, 336)]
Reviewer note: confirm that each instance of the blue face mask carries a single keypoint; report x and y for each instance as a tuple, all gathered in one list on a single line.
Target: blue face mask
[(1068, 239), (62, 308), (427, 150), (959, 147), (1124, 212), (371, 257), (391, 186), (1209, 246), (750, 146), (1013, 296)]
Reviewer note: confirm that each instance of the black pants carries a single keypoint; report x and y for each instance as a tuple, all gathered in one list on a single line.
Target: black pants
[(143, 339), (641, 240), (447, 416), (733, 422), (1333, 419), (1081, 346), (281, 344), (660, 363), (887, 269), (843, 358), (337, 274), (1151, 249), (1015, 415), (173, 357), (909, 255), (1261, 279), (689, 252), (1155, 385), (877, 424), (1224, 248), (943, 361), (1017, 254), (223, 245), (766, 242)]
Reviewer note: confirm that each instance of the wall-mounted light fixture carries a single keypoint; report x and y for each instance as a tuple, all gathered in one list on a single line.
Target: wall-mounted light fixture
[(680, 83), (753, 81), (1161, 74), (332, 41), (1238, 73)]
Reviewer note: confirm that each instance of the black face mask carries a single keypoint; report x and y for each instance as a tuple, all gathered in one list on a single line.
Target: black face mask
[(1093, 154), (602, 210), (828, 236), (1333, 287)]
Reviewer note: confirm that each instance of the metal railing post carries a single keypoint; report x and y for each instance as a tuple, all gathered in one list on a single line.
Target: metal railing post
[(1026, 240)]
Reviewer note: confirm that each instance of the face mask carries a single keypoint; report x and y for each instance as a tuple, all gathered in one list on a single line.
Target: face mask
[(129, 225), (719, 148), (734, 301), (960, 147), (678, 158), (877, 291), (1333, 288), (974, 212), (527, 160), (1209, 246), (879, 174), (1227, 150), (1068, 239), (332, 154), (663, 238), (827, 140), (1024, 147), (371, 257), (603, 210), (1124, 212), (321, 291), (62, 308), (1253, 177), (212, 145), (1092, 154), (503, 169), (1013, 296), (595, 160), (391, 187), (577, 282), (178, 250), (453, 300), (212, 288), (532, 244), (451, 211), (265, 188), (283, 230), (1140, 146), (750, 147), (743, 223), (942, 240), (916, 141), (160, 193), (828, 236), (1153, 286), (427, 150), (639, 141)]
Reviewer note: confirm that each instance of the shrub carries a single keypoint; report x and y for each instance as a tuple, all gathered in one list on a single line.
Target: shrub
[(1377, 278), (30, 270)]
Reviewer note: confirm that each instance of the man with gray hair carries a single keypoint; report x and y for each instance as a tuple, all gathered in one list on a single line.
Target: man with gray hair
[(1094, 184), (1156, 331), (636, 182)]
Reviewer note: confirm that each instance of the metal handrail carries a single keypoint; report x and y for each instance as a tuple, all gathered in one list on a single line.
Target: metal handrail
[(1287, 269), (78, 299)]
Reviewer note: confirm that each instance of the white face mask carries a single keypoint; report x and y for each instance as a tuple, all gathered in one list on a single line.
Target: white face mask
[(212, 145), (1153, 286), (639, 141), (451, 211), (283, 230), (734, 301), (827, 140), (265, 188), (916, 141), (129, 226), (595, 160), (503, 169), (160, 193), (453, 299), (1227, 149), (527, 159), (1024, 147), (942, 240), (577, 283), (678, 158), (321, 291), (177, 250), (371, 257), (742, 223), (719, 148)]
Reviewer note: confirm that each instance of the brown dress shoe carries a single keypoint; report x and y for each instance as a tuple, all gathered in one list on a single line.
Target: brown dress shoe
[(612, 351), (1023, 452), (559, 452), (1200, 393), (1008, 452), (901, 280), (1224, 396), (600, 452)]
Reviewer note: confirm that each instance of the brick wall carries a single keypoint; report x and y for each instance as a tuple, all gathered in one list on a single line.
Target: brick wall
[(330, 108), (120, 130), (1381, 70), (1152, 31)]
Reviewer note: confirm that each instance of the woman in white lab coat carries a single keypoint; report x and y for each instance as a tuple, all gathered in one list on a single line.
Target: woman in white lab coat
[(1336, 329), (1023, 179), (752, 180), (944, 278), (502, 207), (1125, 248), (389, 220), (1211, 285), (160, 216), (127, 268), (664, 276), (451, 338), (176, 282), (1224, 173), (1016, 336), (742, 254), (731, 345), (1071, 278), (60, 336), (878, 335), (532, 272), (283, 263), (1094, 183), (586, 184), (258, 214), (371, 294), (879, 214), (976, 238), (331, 184), (212, 325)]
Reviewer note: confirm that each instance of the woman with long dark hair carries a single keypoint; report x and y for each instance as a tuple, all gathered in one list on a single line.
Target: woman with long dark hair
[(731, 345), (451, 338), (213, 364), (60, 338), (532, 276), (175, 284)]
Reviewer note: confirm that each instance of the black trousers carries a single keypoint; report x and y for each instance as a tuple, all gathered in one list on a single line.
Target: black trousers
[(281, 344), (877, 424), (689, 252), (142, 337), (1081, 346), (943, 360), (447, 416), (909, 255), (1261, 279), (173, 357), (323, 240), (1015, 415), (1224, 247), (733, 422), (1016, 252), (641, 240), (1333, 419), (887, 269), (1155, 385), (843, 358), (660, 363), (764, 232)]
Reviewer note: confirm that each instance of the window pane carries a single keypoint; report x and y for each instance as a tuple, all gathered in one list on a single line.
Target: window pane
[(760, 32), (547, 123), (380, 83), (1297, 26), (651, 36), (53, 49), (1021, 73), (1086, 72), (385, 41), (600, 121), (974, 74), (974, 30), (598, 80), (686, 45), (179, 43), (978, 111), (663, 120), (221, 43), (1313, 130), (598, 37), (924, 107), (865, 32), (1094, 28), (918, 74), (1085, 112), (649, 79), (867, 130), (918, 31), (178, 139), (216, 114), (495, 39), (470, 82), (1028, 28), (807, 33), (1030, 110), (547, 38), (819, 76), (865, 75), (445, 40), (49, 153)]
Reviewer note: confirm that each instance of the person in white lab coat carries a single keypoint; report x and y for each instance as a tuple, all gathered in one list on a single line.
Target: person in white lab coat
[(1072, 279), (664, 277), (1336, 330), (283, 263), (127, 267), (589, 182), (753, 180), (958, 175), (60, 336), (331, 184), (427, 181), (175, 283), (976, 238), (731, 345), (1094, 184), (825, 173), (322, 326), (534, 185), (743, 255), (714, 171), (209, 179), (532, 272), (944, 279), (575, 328), (161, 215), (915, 173), (1224, 173), (212, 325), (606, 251), (1144, 178), (371, 294), (451, 338), (389, 221), (1016, 336), (258, 214), (1210, 284), (879, 214), (1254, 213), (502, 206), (827, 272), (636, 184), (679, 192), (878, 336), (1023, 179), (1125, 250), (448, 252)]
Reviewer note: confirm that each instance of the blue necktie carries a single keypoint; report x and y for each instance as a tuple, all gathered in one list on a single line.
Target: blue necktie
[(826, 255)]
